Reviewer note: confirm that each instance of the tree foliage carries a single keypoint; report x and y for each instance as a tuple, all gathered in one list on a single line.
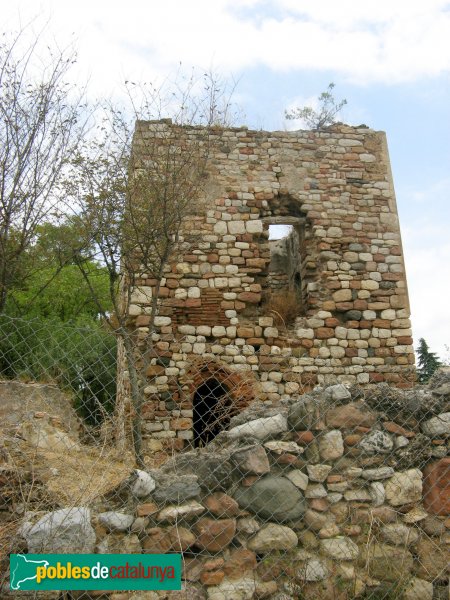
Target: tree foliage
[(133, 200), (328, 109), (40, 127), (50, 285), (428, 361)]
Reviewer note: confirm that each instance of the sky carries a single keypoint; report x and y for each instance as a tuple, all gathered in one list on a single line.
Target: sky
[(390, 59)]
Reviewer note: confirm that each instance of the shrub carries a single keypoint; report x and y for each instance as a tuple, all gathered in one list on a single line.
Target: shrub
[(284, 307), (80, 357)]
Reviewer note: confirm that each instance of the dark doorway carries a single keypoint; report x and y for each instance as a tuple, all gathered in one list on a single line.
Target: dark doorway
[(212, 408)]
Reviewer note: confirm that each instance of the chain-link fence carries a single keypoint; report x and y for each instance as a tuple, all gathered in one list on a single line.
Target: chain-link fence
[(268, 487)]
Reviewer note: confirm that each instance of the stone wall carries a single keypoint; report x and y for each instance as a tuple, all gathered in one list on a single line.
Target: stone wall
[(336, 495), (335, 188)]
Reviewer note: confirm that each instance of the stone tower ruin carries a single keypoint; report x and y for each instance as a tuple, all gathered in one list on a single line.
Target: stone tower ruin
[(242, 317)]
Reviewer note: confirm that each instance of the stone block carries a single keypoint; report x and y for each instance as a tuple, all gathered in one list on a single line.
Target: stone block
[(236, 227)]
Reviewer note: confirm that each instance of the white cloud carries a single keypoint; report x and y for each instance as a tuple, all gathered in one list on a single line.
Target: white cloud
[(436, 192), (427, 254), (363, 41)]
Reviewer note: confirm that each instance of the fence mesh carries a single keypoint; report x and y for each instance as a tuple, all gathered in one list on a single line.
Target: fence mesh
[(267, 488)]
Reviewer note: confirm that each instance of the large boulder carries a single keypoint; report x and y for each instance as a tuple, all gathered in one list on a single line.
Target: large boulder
[(214, 535), (63, 531), (115, 521), (340, 548), (274, 498), (214, 471), (376, 442), (331, 445), (142, 484)]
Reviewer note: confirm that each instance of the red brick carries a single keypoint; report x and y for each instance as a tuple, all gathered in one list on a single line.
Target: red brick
[(142, 321), (332, 322), (343, 306), (377, 377), (397, 429), (352, 440), (245, 332), (222, 505), (319, 504), (181, 424), (258, 263), (436, 487), (257, 341), (251, 297), (193, 302)]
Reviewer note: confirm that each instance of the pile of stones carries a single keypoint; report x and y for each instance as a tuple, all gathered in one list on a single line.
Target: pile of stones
[(340, 493)]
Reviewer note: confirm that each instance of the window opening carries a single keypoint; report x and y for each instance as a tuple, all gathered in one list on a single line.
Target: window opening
[(278, 232), (284, 280)]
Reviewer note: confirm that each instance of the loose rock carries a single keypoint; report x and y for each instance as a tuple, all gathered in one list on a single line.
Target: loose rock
[(376, 442), (143, 485), (115, 521), (404, 487), (331, 445), (340, 548), (437, 426), (260, 428), (251, 460), (273, 537)]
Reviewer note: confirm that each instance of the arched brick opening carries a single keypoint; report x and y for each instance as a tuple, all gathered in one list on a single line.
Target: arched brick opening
[(217, 394), (212, 406)]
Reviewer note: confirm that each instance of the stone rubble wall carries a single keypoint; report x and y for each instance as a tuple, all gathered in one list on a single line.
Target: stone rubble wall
[(341, 493), (335, 187)]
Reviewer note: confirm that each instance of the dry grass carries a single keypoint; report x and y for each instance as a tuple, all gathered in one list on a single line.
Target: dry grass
[(284, 307)]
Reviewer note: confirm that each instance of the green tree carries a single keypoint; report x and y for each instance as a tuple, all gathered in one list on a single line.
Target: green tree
[(51, 284), (51, 329), (428, 361), (65, 296), (41, 124), (324, 116)]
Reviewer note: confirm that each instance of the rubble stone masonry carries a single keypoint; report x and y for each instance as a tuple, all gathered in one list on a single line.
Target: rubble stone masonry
[(343, 261)]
